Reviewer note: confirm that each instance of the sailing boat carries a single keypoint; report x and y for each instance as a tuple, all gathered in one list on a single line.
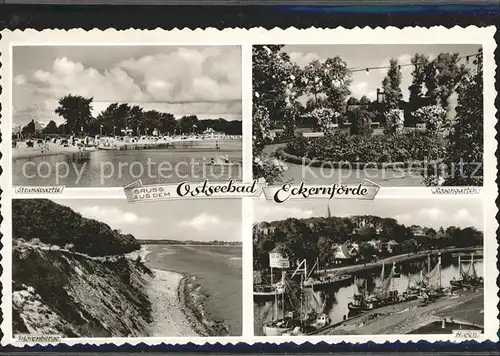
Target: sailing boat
[(266, 291), (320, 282), (433, 285), (469, 278), (296, 322), (359, 304), (384, 295)]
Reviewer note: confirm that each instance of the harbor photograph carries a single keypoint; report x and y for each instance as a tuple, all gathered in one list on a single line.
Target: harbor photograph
[(162, 114), (393, 266), (107, 268), (401, 115)]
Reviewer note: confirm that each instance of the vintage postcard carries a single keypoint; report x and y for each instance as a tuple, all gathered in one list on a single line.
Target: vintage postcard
[(248, 185)]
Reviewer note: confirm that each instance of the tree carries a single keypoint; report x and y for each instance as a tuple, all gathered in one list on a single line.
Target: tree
[(76, 110), (51, 128), (168, 123), (465, 151), (187, 124), (391, 85), (360, 120), (443, 74), (328, 83), (364, 100), (30, 129)]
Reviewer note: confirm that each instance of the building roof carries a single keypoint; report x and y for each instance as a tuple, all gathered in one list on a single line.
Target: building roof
[(277, 249), (342, 252)]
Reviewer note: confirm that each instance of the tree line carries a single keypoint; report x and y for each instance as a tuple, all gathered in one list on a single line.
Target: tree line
[(54, 224), (116, 118), (314, 238)]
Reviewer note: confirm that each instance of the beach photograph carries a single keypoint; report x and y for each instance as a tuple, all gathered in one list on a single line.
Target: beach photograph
[(107, 268), (161, 114), (393, 267), (400, 115)]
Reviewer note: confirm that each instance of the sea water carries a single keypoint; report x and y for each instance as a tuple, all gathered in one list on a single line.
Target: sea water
[(112, 168), (216, 268)]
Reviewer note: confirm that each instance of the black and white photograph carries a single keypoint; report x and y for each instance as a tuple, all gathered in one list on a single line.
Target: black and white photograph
[(107, 268), (399, 266), (402, 115), (162, 114)]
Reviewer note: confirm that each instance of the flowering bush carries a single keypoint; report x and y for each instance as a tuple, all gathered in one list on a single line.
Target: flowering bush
[(261, 128), (266, 168), (394, 121), (341, 147), (432, 115), (326, 118)]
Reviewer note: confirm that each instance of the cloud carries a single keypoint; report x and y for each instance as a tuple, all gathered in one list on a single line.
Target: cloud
[(303, 59), (203, 221), (436, 217), (358, 89), (113, 216), (185, 81), (271, 212)]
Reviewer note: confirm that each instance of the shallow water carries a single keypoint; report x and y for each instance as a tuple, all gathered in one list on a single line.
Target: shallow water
[(116, 168), (216, 268)]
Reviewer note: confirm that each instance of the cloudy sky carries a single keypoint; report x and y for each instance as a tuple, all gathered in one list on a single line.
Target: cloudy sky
[(205, 81), (200, 220), (424, 212), (363, 56)]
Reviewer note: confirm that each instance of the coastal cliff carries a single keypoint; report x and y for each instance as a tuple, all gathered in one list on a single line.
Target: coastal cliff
[(71, 275)]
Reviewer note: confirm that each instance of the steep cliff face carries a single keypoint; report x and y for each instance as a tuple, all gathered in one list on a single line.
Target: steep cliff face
[(58, 292), (70, 275)]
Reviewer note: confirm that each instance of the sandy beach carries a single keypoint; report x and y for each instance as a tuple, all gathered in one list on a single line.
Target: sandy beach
[(169, 318), (22, 151)]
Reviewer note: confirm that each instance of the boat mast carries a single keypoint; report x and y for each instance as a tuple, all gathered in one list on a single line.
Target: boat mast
[(393, 271), (439, 269), (283, 295), (428, 263), (460, 266)]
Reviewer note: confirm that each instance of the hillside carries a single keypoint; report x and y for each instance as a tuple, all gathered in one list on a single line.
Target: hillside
[(70, 276), (55, 224)]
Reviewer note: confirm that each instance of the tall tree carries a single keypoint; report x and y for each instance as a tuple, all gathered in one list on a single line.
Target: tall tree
[(51, 128), (188, 124), (442, 76), (391, 85), (30, 129), (167, 123), (76, 110), (465, 154)]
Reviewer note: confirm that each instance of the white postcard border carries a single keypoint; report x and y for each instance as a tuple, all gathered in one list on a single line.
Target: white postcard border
[(246, 38)]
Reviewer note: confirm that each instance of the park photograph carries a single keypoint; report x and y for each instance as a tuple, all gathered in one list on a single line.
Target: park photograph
[(162, 114), (400, 115)]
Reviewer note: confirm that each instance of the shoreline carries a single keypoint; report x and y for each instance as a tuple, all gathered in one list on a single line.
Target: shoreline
[(23, 152), (168, 317), (178, 304), (398, 259), (27, 153)]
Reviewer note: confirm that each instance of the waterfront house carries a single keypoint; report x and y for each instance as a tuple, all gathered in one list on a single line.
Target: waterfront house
[(417, 230), (278, 258), (392, 247), (341, 255), (376, 244)]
